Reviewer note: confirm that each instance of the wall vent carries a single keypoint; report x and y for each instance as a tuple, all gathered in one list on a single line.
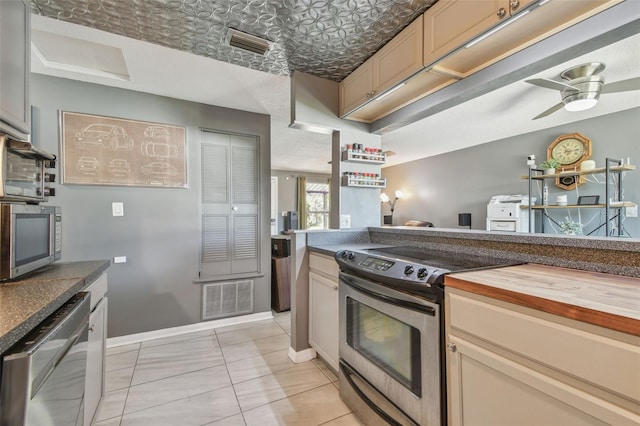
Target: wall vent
[(247, 42), (227, 299)]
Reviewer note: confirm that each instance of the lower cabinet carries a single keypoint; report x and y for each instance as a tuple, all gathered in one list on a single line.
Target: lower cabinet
[(323, 308), (513, 367), (96, 349)]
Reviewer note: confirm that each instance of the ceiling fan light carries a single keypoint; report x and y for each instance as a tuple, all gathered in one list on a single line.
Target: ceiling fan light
[(580, 101), (580, 104)]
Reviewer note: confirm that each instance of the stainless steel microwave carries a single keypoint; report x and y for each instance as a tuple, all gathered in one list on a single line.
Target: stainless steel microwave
[(30, 238), (25, 172)]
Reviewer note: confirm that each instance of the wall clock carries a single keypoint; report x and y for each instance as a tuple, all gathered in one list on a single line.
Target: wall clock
[(570, 150)]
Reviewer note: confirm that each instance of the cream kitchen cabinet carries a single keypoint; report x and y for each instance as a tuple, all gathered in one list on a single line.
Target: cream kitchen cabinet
[(323, 307), (96, 348), (15, 68), (512, 365), (451, 25), (395, 62)]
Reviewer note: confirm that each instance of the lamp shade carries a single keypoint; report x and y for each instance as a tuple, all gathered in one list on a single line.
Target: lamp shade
[(384, 198)]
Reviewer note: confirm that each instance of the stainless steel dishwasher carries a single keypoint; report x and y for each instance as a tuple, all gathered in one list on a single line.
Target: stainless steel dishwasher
[(43, 375)]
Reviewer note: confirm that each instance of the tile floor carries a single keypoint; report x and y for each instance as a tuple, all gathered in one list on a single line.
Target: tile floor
[(236, 375)]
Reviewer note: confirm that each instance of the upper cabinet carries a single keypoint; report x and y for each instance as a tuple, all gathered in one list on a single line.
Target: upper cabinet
[(452, 40), (395, 62), (15, 66), (464, 37), (451, 23)]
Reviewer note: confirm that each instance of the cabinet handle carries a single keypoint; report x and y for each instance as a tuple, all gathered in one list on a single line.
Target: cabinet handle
[(92, 328), (452, 347), (502, 12), (335, 288), (514, 4)]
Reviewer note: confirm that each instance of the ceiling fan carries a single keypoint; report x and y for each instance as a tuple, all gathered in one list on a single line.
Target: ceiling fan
[(583, 87)]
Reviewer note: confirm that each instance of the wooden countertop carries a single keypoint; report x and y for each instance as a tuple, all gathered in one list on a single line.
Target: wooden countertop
[(610, 301), (26, 302)]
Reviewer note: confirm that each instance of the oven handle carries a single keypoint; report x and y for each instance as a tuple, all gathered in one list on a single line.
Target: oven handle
[(347, 371), (348, 280)]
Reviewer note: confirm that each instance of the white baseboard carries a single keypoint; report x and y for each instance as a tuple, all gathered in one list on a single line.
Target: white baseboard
[(184, 329), (302, 356)]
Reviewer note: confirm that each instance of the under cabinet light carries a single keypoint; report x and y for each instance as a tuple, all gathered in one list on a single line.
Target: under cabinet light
[(390, 91), (496, 29)]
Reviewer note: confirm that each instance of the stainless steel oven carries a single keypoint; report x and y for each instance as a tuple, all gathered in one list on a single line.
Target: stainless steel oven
[(389, 354), (392, 332), (43, 375)]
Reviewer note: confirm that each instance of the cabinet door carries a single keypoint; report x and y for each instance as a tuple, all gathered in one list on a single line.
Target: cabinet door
[(15, 67), (94, 385), (356, 89), (323, 318), (451, 23), (398, 59), (485, 388)]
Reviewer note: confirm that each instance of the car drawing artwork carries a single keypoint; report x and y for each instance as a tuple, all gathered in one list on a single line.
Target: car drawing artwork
[(119, 167), (103, 136), (156, 143), (159, 169), (88, 165)]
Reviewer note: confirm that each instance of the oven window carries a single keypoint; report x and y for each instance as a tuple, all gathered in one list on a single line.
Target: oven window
[(31, 237), (387, 342)]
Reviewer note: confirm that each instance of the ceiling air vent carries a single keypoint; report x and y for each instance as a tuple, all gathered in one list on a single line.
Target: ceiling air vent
[(247, 42)]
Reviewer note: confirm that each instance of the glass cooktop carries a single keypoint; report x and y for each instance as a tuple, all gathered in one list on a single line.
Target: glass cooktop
[(451, 261)]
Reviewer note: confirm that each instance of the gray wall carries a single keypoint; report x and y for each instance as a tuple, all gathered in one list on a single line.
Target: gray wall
[(160, 231), (442, 186), (287, 188)]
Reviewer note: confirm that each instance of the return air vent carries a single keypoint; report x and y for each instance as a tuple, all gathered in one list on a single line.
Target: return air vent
[(247, 42), (227, 299)]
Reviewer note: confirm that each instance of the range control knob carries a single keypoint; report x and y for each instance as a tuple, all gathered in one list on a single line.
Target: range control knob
[(422, 273), (408, 270), (343, 255), (351, 255)]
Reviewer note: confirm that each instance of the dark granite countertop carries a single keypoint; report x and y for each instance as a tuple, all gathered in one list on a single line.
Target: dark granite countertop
[(26, 302), (332, 249)]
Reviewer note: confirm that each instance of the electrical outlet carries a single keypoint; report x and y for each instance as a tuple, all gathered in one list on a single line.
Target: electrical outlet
[(120, 259), (631, 211), (345, 221)]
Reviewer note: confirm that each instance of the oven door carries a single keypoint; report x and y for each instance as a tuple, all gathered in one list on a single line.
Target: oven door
[(389, 354)]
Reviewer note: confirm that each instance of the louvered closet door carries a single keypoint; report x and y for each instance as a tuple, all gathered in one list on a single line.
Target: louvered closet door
[(229, 205)]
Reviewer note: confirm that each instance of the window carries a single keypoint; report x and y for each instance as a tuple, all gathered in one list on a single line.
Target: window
[(317, 205)]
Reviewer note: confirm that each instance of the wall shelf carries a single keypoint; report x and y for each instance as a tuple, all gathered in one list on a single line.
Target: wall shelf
[(364, 183), (363, 157), (583, 206), (599, 170)]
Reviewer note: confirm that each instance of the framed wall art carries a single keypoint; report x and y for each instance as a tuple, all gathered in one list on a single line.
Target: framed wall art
[(99, 150)]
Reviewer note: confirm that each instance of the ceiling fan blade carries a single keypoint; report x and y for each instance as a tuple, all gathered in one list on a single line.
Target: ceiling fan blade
[(622, 86), (550, 84), (549, 111)]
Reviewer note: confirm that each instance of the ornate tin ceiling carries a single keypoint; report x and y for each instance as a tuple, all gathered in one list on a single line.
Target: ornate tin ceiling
[(326, 38)]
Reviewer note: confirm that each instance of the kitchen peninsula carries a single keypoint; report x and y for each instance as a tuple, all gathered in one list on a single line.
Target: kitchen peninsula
[(515, 329), (602, 255)]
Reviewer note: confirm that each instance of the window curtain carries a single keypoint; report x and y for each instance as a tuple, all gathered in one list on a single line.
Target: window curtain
[(329, 200), (302, 202)]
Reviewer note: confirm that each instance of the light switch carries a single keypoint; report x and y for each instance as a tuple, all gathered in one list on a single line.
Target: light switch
[(117, 209), (345, 221), (120, 259)]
